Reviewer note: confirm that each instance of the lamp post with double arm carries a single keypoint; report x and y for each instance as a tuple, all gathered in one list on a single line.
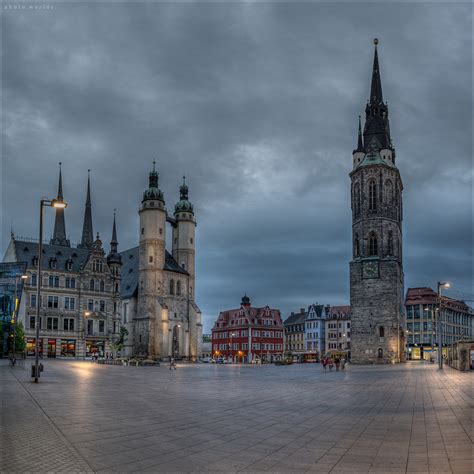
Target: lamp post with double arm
[(440, 336)]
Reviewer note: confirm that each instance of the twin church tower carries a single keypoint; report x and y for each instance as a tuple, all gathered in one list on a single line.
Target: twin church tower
[(376, 269)]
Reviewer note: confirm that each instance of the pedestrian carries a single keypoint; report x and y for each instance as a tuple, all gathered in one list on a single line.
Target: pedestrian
[(325, 363), (343, 363), (330, 363), (337, 361), (172, 363), (106, 357)]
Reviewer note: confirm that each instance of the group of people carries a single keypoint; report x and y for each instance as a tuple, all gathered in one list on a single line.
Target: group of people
[(329, 363), (108, 359)]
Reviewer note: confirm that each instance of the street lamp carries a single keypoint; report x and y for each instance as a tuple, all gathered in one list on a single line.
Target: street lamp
[(57, 204), (232, 334), (440, 336)]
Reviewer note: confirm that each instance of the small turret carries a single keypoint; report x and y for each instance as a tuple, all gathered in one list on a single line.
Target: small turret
[(114, 257), (359, 153), (245, 301), (153, 192)]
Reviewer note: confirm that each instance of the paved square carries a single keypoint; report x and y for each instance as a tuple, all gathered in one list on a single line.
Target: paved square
[(200, 418)]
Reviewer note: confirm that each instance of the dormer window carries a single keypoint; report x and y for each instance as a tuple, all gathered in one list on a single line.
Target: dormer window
[(69, 264), (35, 261), (53, 263), (98, 266)]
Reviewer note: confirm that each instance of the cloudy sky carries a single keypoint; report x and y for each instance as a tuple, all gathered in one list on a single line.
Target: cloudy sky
[(257, 103)]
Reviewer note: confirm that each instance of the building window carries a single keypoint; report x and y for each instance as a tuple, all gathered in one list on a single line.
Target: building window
[(357, 246), (35, 261), (52, 324), (69, 303), (34, 279), (381, 331), (97, 265), (53, 302), (388, 192), (150, 258), (68, 324), (372, 196), (101, 326), (33, 301), (90, 327), (171, 287), (90, 305), (53, 263), (178, 288), (69, 265), (32, 322), (102, 286), (91, 285), (373, 245), (102, 306)]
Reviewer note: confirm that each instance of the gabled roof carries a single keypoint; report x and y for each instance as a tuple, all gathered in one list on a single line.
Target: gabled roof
[(295, 318)]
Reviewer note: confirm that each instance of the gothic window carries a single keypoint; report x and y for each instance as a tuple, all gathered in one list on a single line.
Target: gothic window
[(390, 243), (388, 192), (178, 288), (357, 199), (372, 195), (97, 265), (91, 285), (171, 287), (373, 245), (381, 331), (357, 246)]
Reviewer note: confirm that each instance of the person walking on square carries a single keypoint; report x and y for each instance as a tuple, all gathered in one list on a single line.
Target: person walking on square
[(330, 363), (343, 363), (325, 363), (106, 357), (337, 361), (172, 363)]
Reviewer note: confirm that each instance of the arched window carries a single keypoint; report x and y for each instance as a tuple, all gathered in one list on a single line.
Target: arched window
[(171, 287), (102, 286), (388, 192), (373, 245), (56, 282), (178, 288), (381, 331), (91, 285), (357, 246), (372, 195), (380, 353), (390, 243), (357, 199)]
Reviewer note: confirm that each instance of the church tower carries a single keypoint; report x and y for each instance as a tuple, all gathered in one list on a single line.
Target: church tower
[(151, 265), (184, 235), (376, 269), (59, 233)]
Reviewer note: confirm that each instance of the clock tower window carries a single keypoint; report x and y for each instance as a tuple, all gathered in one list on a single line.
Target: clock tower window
[(372, 196), (373, 245)]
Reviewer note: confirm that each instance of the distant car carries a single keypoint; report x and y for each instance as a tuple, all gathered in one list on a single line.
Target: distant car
[(206, 360)]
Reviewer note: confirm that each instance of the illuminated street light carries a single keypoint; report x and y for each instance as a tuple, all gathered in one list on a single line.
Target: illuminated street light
[(440, 336), (57, 203)]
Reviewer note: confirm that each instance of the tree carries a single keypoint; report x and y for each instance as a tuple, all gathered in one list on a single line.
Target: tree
[(20, 342), (118, 344)]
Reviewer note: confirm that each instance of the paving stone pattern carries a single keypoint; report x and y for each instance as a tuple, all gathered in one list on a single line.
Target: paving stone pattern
[(218, 418)]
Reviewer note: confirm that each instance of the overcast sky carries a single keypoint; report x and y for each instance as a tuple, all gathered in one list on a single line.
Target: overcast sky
[(257, 103)]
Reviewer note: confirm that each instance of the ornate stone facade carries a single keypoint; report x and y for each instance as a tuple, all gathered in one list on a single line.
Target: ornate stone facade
[(376, 270)]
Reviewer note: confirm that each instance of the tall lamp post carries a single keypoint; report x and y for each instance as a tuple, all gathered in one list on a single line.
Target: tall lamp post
[(58, 204), (440, 336)]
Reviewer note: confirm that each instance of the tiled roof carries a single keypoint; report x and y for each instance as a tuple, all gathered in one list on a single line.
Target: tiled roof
[(295, 318), (26, 251), (254, 314), (425, 296)]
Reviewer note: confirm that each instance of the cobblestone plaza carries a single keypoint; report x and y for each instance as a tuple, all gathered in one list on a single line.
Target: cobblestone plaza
[(200, 418)]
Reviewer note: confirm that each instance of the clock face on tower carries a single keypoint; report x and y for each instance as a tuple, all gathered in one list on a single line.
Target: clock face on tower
[(370, 269)]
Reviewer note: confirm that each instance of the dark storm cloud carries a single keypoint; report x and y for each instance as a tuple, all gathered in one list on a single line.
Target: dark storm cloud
[(257, 103)]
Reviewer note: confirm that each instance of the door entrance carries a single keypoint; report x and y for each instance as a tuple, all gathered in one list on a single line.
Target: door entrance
[(51, 347)]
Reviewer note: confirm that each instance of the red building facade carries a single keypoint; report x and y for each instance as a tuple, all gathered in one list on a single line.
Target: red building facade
[(248, 334)]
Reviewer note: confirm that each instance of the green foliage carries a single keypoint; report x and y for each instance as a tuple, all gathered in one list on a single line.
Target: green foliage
[(20, 342), (118, 344)]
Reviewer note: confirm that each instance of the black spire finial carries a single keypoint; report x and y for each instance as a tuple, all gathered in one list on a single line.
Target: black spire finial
[(114, 256), (183, 190), (153, 177), (360, 145), (376, 85), (87, 230), (59, 232)]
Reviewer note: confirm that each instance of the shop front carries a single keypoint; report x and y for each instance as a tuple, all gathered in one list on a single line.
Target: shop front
[(68, 348), (95, 348), (31, 346), (51, 347)]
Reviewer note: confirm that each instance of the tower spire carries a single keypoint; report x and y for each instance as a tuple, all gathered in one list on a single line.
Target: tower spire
[(360, 145), (113, 242), (87, 230), (377, 129), (59, 232), (376, 86)]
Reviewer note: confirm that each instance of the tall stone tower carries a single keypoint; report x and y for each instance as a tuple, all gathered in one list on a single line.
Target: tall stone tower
[(150, 269), (376, 270), (183, 252), (184, 235)]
